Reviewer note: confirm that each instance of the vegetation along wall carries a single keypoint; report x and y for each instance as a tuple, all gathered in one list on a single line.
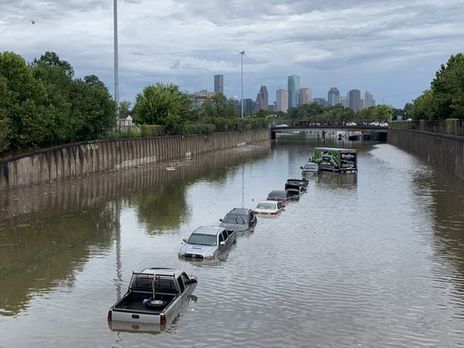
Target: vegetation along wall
[(79, 159)]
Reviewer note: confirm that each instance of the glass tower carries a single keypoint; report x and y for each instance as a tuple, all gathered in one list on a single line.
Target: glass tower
[(293, 91)]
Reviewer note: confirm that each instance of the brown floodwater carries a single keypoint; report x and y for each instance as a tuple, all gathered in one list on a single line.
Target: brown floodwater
[(374, 259)]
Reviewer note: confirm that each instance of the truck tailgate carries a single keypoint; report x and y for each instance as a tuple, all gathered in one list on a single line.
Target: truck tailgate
[(135, 317)]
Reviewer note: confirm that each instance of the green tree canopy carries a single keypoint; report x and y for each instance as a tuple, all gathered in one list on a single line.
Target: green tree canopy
[(218, 106), (41, 104), (163, 104), (448, 89), (23, 103), (445, 98)]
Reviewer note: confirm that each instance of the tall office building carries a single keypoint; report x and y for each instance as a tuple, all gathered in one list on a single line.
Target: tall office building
[(262, 99), (293, 91), (248, 106), (344, 101), (354, 101), (219, 84), (282, 100), (368, 100), (306, 96), (333, 97)]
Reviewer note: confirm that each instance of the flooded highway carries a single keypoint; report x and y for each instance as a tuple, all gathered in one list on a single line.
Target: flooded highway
[(374, 259)]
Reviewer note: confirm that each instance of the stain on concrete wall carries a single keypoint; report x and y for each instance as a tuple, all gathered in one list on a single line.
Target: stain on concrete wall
[(81, 159)]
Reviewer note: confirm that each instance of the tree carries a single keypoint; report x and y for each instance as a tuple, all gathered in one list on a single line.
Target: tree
[(382, 113), (124, 109), (23, 103), (57, 76), (424, 107), (408, 110), (51, 59), (93, 110), (163, 105), (337, 114), (218, 106), (448, 89)]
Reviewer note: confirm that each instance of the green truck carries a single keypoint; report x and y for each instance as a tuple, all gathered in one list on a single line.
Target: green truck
[(335, 159)]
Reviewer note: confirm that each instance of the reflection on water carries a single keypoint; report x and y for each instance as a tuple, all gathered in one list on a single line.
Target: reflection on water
[(38, 254), (373, 259), (47, 233), (334, 180)]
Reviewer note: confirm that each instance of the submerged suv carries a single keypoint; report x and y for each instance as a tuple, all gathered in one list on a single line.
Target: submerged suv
[(207, 242), (239, 220)]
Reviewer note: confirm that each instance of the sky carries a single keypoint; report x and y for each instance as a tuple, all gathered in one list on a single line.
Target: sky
[(391, 48)]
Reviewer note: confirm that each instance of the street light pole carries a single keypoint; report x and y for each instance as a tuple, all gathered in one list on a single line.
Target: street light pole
[(241, 82), (116, 55)]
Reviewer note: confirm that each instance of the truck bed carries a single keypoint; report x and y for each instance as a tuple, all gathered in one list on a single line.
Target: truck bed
[(133, 301)]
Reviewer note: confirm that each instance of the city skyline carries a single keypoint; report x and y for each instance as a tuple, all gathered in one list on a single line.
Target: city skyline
[(395, 58), (304, 95)]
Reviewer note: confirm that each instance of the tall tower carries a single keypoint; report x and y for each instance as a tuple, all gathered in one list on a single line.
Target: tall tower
[(293, 91), (354, 101), (219, 84), (368, 99), (333, 97), (305, 96), (282, 100), (263, 99)]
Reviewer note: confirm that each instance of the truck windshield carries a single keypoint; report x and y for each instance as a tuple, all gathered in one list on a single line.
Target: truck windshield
[(202, 239)]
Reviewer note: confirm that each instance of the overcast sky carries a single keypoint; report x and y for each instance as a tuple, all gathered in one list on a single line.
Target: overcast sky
[(390, 47)]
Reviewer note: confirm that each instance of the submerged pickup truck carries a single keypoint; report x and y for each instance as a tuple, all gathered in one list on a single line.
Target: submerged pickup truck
[(155, 296)]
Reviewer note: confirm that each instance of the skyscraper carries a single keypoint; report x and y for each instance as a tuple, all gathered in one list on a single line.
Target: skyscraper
[(282, 100), (368, 99), (293, 90), (219, 84), (248, 106), (305, 96), (262, 99), (333, 97), (344, 101), (354, 101)]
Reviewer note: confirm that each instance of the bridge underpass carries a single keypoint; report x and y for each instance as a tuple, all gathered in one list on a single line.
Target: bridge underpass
[(363, 133)]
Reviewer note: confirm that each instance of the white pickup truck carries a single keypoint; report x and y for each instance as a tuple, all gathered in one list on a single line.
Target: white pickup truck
[(155, 296)]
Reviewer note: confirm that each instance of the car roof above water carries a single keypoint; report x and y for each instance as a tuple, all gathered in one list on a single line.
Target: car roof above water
[(277, 193), (239, 211), (270, 202), (209, 229)]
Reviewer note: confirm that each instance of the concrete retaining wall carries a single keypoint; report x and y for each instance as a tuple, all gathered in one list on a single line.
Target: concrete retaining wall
[(441, 150), (80, 159)]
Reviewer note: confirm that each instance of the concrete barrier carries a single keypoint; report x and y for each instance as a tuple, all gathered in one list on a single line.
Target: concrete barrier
[(80, 159), (441, 150)]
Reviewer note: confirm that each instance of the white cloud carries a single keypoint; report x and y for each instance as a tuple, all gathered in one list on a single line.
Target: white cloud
[(187, 41)]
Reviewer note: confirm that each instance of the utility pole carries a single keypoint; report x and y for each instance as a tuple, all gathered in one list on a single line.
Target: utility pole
[(241, 82), (116, 56)]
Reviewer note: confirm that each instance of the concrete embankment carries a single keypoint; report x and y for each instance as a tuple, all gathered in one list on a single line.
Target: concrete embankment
[(442, 150), (80, 159)]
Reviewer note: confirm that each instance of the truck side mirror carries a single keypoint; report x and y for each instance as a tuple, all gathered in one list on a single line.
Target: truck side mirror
[(184, 240)]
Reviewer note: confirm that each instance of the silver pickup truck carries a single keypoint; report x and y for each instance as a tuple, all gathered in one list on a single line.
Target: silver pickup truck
[(155, 296)]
